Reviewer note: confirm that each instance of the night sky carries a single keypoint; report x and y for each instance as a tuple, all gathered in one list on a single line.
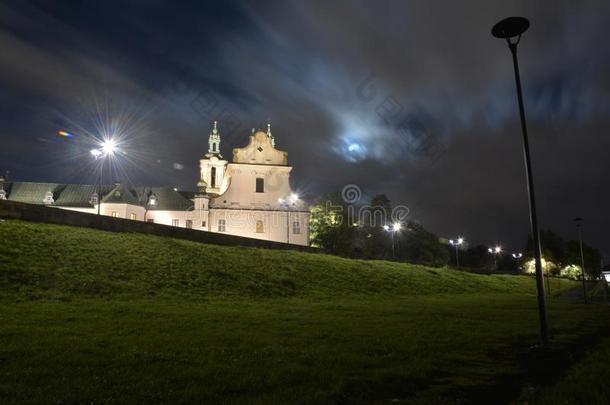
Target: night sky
[(412, 99)]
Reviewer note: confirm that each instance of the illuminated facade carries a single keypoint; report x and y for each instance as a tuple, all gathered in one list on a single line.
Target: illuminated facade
[(249, 197)]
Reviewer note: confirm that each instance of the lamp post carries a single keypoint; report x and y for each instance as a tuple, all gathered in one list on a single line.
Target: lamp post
[(495, 251), (456, 243), (508, 29), (396, 226), (107, 148), (517, 257), (578, 222)]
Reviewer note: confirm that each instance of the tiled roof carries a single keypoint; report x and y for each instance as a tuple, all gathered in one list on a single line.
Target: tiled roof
[(79, 195), (167, 199)]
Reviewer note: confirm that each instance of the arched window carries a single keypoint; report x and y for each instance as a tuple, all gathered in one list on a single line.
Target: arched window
[(259, 227), (213, 177)]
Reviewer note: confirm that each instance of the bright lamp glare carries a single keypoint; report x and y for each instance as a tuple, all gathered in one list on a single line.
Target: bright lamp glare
[(294, 197), (498, 249), (108, 147), (96, 153), (386, 227), (397, 226), (460, 241)]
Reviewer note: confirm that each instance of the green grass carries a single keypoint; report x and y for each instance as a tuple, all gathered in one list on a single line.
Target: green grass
[(587, 382), (92, 316)]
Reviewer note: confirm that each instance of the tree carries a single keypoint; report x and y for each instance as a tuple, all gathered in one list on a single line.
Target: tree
[(592, 258), (375, 240), (330, 227), (417, 245)]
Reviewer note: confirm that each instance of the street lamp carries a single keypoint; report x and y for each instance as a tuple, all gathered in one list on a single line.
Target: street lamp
[(578, 222), (457, 244), (495, 251), (508, 29), (517, 257), (106, 148), (396, 226)]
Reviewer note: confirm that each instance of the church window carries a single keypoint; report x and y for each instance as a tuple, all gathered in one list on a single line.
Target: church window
[(213, 177), (115, 214), (259, 227), (222, 225), (260, 185), (133, 216), (296, 227), (175, 222), (189, 224)]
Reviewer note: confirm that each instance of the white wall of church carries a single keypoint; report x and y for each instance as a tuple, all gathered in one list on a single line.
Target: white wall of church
[(259, 224)]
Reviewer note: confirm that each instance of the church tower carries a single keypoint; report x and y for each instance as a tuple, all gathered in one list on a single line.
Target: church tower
[(212, 166), (214, 142)]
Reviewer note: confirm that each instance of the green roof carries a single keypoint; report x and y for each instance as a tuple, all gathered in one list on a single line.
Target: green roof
[(79, 195)]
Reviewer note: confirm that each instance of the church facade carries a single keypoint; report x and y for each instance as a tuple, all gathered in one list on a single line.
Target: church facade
[(249, 196)]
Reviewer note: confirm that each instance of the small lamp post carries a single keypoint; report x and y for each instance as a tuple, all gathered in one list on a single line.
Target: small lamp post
[(578, 222), (395, 227), (495, 251), (456, 243)]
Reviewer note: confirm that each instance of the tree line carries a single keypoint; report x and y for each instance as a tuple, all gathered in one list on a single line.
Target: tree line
[(368, 231)]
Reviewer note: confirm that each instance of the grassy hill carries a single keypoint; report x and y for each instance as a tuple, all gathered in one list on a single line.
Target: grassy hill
[(93, 316), (42, 259)]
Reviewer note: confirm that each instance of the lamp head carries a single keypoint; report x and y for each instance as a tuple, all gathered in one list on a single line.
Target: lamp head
[(510, 27), (108, 147)]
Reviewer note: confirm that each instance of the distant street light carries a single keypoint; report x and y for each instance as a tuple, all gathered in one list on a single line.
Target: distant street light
[(507, 29), (396, 226), (517, 257), (578, 222), (456, 243), (495, 251)]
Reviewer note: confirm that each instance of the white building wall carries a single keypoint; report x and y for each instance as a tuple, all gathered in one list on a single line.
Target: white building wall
[(276, 226)]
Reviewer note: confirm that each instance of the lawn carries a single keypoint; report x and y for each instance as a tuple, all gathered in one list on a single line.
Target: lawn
[(93, 316)]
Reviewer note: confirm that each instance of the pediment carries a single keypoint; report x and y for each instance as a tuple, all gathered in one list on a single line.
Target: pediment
[(260, 150)]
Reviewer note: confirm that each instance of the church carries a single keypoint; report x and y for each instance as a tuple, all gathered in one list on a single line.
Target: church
[(249, 197)]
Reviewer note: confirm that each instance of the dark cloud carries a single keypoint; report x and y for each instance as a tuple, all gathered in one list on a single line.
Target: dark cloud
[(357, 91)]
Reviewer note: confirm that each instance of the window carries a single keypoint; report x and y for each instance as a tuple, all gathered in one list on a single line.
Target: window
[(151, 220), (189, 224), (213, 177), (175, 222), (222, 224), (259, 227), (115, 214), (203, 224), (48, 198), (296, 227), (94, 199), (260, 185), (132, 216)]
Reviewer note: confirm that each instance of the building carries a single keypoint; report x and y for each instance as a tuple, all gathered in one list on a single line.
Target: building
[(250, 196)]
